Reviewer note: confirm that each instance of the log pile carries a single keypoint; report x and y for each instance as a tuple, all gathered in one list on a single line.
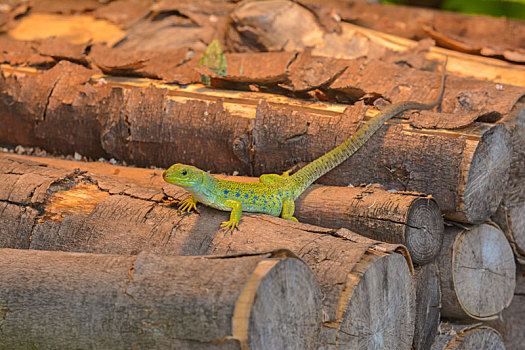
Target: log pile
[(103, 254)]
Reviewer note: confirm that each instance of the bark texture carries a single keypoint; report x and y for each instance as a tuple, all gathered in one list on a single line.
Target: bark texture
[(367, 287), (477, 272), (76, 300)]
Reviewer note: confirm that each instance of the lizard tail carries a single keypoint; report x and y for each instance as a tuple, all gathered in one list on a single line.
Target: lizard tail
[(314, 170)]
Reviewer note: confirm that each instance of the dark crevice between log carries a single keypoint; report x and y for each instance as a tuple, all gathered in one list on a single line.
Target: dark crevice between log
[(48, 98), (130, 280)]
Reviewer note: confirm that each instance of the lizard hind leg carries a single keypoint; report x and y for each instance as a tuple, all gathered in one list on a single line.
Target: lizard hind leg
[(288, 210), (274, 178)]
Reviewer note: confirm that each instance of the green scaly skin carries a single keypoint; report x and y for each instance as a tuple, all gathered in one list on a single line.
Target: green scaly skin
[(275, 194)]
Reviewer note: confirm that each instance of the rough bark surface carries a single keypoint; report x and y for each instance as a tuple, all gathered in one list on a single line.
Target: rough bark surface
[(428, 305), (477, 272), (467, 337), (74, 300), (129, 219)]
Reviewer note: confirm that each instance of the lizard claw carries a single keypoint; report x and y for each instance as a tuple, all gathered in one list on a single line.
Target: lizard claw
[(230, 225), (188, 204)]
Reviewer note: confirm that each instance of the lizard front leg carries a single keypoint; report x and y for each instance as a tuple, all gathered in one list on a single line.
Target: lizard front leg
[(235, 215), (188, 204), (288, 210)]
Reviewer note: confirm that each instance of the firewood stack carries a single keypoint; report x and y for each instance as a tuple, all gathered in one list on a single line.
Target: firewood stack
[(411, 243)]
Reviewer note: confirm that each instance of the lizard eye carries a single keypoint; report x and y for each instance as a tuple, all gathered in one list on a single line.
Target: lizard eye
[(184, 172)]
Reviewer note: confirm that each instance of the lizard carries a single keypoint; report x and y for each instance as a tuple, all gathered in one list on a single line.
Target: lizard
[(276, 194)]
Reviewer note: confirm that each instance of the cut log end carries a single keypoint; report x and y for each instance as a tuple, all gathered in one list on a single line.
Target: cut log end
[(297, 305), (468, 337), (480, 264), (488, 176), (374, 321), (424, 230)]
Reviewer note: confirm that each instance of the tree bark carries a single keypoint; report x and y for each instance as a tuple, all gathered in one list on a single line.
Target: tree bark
[(77, 300), (477, 272), (428, 305), (467, 337), (367, 288)]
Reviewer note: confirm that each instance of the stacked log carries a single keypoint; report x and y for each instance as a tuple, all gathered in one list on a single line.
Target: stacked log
[(411, 219), (74, 300), (468, 167), (465, 160), (367, 288), (477, 272), (467, 337)]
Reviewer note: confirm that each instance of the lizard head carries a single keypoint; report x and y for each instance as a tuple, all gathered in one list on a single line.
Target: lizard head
[(186, 176)]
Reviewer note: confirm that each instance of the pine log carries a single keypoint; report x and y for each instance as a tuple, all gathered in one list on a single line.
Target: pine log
[(511, 323), (428, 305), (467, 337), (465, 169), (476, 271), (367, 286), (510, 215), (76, 300), (411, 219)]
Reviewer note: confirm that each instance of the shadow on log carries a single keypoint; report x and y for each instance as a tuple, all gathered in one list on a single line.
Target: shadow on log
[(367, 288), (477, 272), (76, 300)]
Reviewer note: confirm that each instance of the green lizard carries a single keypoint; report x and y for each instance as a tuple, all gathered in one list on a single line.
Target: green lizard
[(275, 194)]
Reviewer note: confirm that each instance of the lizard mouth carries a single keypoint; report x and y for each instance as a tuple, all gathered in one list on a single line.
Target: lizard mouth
[(172, 178)]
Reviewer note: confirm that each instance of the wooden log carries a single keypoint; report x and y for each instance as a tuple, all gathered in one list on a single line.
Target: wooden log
[(477, 272), (367, 287), (254, 133), (428, 305), (511, 323), (76, 300), (467, 337), (510, 215), (411, 219)]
